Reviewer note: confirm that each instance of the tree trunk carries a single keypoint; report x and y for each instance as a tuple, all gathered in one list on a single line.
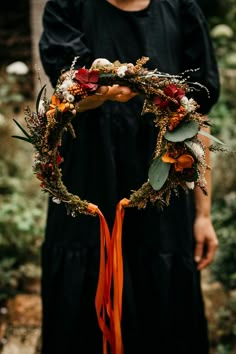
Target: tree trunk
[(36, 11)]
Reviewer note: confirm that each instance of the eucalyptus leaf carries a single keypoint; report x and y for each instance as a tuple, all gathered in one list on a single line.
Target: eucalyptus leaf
[(158, 173), (202, 132), (185, 130)]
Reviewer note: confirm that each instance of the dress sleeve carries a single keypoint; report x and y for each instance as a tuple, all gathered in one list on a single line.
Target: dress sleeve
[(199, 54), (61, 39)]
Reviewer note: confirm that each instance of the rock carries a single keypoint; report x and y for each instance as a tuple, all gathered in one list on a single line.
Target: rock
[(22, 341), (25, 310)]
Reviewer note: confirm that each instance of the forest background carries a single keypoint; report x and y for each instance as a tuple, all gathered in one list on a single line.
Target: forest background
[(23, 205)]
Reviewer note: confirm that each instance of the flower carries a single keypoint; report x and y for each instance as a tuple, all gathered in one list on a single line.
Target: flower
[(189, 104), (41, 109), (88, 79), (101, 62), (158, 101), (197, 150), (122, 70), (222, 30), (56, 104), (180, 163), (176, 118), (190, 185), (173, 92), (66, 84), (56, 200), (68, 96), (17, 68)]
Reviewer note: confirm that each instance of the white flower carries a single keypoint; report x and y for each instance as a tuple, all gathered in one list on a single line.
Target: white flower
[(197, 150), (190, 185), (68, 96), (17, 68), (56, 200), (188, 104), (41, 108), (184, 101), (222, 30), (122, 70), (100, 62), (66, 83)]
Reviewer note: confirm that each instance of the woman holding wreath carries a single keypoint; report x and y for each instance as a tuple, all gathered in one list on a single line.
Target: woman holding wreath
[(163, 250)]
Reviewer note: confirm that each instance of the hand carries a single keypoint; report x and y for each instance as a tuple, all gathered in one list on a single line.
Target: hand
[(104, 93), (206, 241)]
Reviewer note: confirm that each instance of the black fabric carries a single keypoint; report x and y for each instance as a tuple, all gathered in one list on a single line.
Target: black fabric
[(163, 311)]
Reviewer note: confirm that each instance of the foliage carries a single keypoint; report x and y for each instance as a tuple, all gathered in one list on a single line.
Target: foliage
[(9, 91), (223, 116), (22, 210), (224, 218), (226, 328), (21, 230)]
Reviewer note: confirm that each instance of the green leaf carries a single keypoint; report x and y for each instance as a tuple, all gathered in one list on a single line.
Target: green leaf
[(22, 129), (202, 132), (185, 130), (39, 98), (22, 138), (158, 173)]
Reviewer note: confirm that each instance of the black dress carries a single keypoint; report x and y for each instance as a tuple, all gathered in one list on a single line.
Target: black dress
[(163, 311)]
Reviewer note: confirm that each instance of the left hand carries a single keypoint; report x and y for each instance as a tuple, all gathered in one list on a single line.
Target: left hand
[(105, 93), (206, 241)]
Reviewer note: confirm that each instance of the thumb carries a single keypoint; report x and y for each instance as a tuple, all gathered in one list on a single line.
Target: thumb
[(198, 253)]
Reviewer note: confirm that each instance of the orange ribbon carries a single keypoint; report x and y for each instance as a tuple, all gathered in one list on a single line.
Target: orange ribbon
[(109, 308)]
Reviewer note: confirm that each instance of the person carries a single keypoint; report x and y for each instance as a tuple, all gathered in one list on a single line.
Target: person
[(165, 250)]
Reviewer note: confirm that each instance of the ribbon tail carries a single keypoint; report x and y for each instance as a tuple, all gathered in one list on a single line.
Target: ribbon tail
[(118, 276)]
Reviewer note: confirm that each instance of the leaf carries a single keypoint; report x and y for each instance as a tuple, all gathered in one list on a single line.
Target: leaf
[(22, 138), (185, 130), (158, 173), (39, 98), (22, 129), (202, 132)]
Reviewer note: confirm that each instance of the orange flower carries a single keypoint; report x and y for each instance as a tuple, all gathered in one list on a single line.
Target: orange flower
[(56, 104), (176, 118), (180, 163)]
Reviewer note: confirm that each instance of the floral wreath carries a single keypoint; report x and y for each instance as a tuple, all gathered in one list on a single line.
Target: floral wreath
[(179, 156), (179, 159)]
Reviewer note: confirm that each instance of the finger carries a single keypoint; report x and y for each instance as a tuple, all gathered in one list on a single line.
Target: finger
[(118, 90), (198, 253), (124, 98), (209, 257)]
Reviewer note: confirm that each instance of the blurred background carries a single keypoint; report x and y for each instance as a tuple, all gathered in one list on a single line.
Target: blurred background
[(23, 205)]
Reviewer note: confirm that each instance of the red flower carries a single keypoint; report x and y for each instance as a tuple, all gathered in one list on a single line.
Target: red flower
[(59, 159), (158, 101), (174, 92), (87, 79)]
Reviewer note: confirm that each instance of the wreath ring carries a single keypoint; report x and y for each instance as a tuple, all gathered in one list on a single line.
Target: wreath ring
[(179, 156)]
